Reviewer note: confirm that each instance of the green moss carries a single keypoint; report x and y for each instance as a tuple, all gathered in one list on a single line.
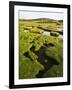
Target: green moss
[(55, 53), (36, 30), (54, 34), (46, 61), (33, 55), (24, 46), (29, 69), (55, 71), (37, 44)]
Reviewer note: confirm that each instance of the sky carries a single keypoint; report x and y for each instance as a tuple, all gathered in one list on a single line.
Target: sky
[(42, 14)]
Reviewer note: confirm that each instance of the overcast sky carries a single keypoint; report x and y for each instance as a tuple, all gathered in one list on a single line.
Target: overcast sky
[(35, 14)]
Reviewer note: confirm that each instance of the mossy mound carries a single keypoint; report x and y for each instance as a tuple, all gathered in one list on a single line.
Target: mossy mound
[(36, 30), (28, 68), (55, 53), (55, 71), (56, 34)]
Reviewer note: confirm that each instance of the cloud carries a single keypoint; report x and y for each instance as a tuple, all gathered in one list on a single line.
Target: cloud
[(42, 14)]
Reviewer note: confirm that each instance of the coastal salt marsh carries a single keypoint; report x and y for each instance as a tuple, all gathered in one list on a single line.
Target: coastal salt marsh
[(40, 48)]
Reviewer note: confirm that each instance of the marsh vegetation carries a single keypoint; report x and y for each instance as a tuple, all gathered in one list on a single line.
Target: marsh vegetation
[(40, 48)]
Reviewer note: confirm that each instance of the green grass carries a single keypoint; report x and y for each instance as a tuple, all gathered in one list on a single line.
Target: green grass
[(52, 25)]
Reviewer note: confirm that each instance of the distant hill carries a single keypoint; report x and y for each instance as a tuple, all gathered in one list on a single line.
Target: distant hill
[(61, 21), (40, 20)]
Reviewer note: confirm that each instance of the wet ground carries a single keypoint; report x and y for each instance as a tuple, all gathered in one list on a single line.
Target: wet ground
[(47, 33), (42, 57)]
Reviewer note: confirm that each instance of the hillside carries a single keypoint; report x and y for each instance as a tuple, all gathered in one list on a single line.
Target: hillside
[(42, 20)]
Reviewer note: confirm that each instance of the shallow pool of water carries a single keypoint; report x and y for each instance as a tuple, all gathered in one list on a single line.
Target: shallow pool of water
[(26, 30), (60, 36), (46, 33)]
